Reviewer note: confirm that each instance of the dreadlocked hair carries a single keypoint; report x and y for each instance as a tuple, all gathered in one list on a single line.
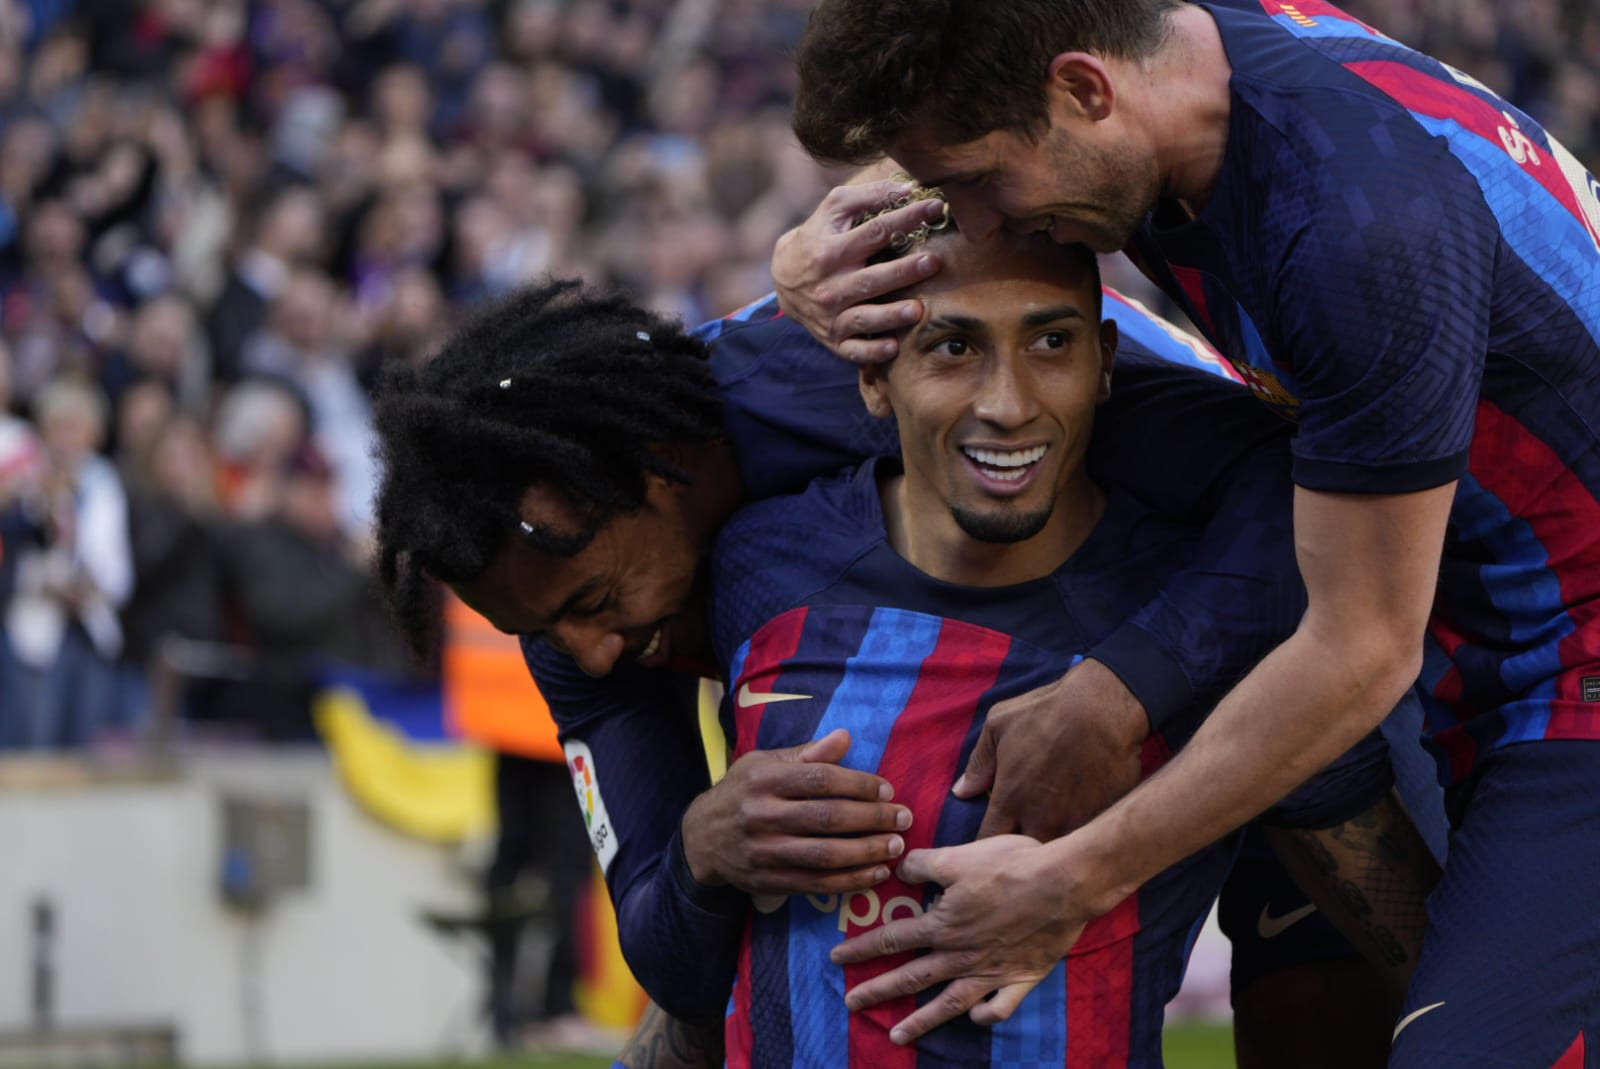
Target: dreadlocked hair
[(555, 385)]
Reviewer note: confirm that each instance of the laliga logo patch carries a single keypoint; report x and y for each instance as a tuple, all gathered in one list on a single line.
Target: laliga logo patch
[(586, 784)]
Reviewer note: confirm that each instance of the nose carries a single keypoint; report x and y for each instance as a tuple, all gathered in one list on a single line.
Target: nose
[(595, 646), (976, 219), (1006, 397)]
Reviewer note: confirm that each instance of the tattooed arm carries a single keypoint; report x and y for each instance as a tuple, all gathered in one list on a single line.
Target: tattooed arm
[(1371, 877), (664, 1042)]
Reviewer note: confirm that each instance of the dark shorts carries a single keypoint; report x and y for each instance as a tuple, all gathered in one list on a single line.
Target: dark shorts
[(1510, 970), (1269, 920)]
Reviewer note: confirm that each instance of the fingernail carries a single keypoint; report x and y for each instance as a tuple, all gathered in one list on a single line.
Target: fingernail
[(958, 785), (902, 819), (899, 1037), (910, 314), (881, 874), (925, 263), (885, 792), (897, 846)]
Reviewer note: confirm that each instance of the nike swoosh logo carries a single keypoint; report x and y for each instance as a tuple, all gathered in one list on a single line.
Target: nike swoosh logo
[(1270, 927), (747, 697), (1412, 1016)]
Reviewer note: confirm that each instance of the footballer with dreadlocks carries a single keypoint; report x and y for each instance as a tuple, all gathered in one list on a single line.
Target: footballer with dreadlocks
[(564, 464)]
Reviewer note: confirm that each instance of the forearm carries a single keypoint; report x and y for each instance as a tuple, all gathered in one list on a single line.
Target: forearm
[(681, 939), (1302, 706), (663, 1042), (1371, 877)]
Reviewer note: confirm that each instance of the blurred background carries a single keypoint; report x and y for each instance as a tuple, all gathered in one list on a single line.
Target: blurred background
[(238, 825)]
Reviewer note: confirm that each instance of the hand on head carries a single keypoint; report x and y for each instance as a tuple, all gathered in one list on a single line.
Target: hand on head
[(825, 279)]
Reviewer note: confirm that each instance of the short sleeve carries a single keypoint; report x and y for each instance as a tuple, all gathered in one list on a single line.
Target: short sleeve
[(1380, 307)]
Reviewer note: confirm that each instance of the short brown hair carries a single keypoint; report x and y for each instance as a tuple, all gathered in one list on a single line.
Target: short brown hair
[(871, 69)]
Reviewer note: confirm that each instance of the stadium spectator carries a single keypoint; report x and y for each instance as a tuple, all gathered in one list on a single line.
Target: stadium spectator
[(73, 571), (157, 154)]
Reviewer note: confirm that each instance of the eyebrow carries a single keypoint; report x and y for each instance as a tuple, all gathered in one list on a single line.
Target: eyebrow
[(1051, 315), (967, 323), (972, 325)]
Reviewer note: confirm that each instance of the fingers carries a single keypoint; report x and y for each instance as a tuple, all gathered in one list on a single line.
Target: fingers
[(978, 776), (956, 999), (776, 863), (845, 204), (863, 319), (815, 779), (1003, 1004), (923, 866), (879, 232), (867, 350), (826, 816), (831, 748), (812, 856), (1001, 818), (910, 933)]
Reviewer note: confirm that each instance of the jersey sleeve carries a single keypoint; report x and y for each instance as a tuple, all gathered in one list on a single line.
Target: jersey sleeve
[(633, 749), (1380, 309), (1196, 447)]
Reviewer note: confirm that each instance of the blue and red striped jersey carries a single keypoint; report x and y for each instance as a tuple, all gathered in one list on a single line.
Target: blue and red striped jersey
[(1409, 267), (822, 625), (1184, 443)]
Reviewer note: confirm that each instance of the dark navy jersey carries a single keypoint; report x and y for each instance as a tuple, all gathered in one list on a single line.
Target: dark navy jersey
[(1409, 267), (1185, 443), (822, 625)]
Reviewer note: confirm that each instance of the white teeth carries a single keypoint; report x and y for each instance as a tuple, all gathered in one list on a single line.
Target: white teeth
[(655, 644), (1020, 458)]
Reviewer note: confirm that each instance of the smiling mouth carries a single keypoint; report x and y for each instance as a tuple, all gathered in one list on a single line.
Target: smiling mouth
[(1005, 466), (652, 646)]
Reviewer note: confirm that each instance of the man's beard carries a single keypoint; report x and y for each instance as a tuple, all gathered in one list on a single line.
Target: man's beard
[(1002, 526)]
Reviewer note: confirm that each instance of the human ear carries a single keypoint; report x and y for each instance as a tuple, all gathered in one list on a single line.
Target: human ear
[(874, 384), (1081, 83), (1108, 358)]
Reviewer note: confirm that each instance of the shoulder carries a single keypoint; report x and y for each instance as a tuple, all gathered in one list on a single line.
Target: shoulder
[(774, 554), (760, 336)]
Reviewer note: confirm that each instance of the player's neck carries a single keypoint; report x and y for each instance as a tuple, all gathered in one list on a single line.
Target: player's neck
[(1190, 81), (922, 530)]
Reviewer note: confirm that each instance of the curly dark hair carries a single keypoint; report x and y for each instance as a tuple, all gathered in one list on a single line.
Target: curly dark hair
[(870, 70), (555, 385)]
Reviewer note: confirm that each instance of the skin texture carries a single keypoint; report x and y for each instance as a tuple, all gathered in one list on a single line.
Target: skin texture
[(664, 1042), (823, 280), (637, 579), (1010, 356)]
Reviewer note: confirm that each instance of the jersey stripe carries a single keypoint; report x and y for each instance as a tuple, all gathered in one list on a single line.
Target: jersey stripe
[(737, 1038), (763, 974), (758, 663), (1317, 18), (1099, 990), (1564, 515), (1449, 102), (878, 681), (920, 758), (1137, 323)]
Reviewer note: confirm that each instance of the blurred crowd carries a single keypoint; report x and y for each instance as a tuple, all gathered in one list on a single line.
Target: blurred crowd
[(220, 219)]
